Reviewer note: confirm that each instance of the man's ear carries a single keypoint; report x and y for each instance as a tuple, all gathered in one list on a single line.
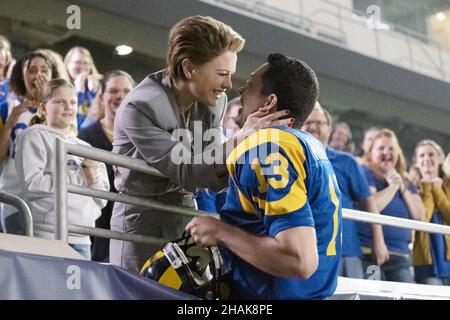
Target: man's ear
[(188, 68), (271, 102)]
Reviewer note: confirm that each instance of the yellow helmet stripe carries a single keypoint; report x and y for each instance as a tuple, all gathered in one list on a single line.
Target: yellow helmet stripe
[(171, 278), (155, 257)]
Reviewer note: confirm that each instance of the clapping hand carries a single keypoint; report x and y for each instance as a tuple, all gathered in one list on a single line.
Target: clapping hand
[(92, 83), (37, 91), (13, 118), (394, 178), (80, 81)]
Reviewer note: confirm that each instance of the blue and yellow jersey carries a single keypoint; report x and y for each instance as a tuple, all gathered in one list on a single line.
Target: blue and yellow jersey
[(281, 178), (85, 100)]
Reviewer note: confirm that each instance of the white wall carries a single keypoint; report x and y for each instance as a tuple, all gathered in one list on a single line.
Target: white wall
[(334, 21)]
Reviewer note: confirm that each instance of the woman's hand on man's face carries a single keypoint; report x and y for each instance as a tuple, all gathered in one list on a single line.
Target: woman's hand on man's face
[(262, 119)]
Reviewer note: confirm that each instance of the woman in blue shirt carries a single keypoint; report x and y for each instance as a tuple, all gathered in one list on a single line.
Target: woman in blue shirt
[(395, 196)]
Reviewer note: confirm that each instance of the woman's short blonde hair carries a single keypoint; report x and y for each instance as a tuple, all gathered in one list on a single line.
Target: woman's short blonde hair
[(199, 39)]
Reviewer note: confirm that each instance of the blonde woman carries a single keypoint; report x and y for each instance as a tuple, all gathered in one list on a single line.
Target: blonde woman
[(86, 79), (395, 196), (431, 253)]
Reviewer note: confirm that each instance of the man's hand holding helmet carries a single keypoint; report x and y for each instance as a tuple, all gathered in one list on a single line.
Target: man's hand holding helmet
[(205, 230)]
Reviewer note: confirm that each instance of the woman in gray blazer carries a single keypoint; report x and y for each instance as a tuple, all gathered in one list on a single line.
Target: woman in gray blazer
[(168, 120)]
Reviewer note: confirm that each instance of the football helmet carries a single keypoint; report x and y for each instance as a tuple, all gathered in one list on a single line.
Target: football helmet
[(188, 268)]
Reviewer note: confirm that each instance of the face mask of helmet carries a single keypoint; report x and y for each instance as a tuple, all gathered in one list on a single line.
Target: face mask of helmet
[(188, 268)]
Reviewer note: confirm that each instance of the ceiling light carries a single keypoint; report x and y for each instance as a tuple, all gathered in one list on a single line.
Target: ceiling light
[(440, 16), (123, 50)]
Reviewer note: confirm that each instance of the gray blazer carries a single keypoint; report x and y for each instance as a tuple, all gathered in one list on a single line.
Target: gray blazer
[(143, 129)]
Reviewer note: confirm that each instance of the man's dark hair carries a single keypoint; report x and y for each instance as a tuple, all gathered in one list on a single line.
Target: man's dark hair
[(294, 83)]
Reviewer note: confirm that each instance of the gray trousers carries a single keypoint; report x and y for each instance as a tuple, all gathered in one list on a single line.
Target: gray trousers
[(351, 267), (133, 219)]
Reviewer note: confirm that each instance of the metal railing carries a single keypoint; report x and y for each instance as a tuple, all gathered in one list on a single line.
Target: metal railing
[(62, 188), (336, 25), (23, 208), (363, 216)]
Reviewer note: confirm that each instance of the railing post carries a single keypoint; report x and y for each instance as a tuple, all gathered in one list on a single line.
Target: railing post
[(60, 191)]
